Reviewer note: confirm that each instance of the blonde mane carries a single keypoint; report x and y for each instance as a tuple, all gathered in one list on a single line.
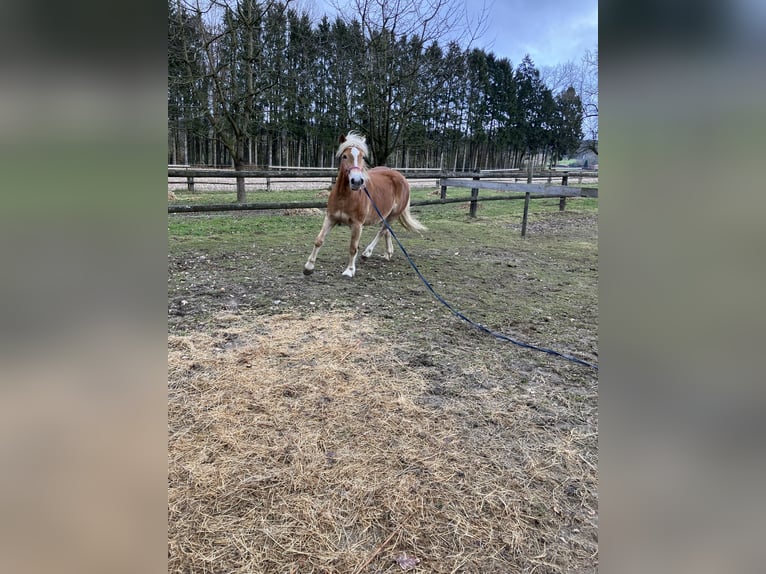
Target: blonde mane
[(353, 139)]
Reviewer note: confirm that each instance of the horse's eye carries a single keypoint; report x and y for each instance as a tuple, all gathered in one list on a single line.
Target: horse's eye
[(344, 156)]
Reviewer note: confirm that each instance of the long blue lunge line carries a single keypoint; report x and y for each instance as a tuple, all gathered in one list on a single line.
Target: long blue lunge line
[(459, 314)]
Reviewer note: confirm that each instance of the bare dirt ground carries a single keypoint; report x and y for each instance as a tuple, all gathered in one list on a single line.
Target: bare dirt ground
[(318, 424)]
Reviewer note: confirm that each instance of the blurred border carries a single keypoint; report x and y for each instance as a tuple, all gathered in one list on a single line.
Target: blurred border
[(681, 282), (83, 314), (83, 399)]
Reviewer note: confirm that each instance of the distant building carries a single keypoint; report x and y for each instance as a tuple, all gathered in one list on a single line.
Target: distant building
[(585, 157)]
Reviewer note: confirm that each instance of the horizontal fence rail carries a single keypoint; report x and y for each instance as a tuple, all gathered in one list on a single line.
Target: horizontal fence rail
[(540, 189), (266, 205), (427, 173)]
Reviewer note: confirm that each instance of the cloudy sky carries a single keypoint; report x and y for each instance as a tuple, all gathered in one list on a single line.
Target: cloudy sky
[(551, 31)]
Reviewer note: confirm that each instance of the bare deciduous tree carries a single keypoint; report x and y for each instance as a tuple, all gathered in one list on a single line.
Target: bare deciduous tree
[(392, 69), (583, 77), (230, 46)]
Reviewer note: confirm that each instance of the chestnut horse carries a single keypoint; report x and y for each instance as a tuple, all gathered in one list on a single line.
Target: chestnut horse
[(348, 203)]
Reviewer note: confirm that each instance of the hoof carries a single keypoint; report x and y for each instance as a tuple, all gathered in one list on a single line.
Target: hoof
[(307, 271), (365, 257)]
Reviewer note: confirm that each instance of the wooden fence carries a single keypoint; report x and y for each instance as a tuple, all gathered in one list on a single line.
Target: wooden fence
[(472, 181), (191, 174), (530, 191)]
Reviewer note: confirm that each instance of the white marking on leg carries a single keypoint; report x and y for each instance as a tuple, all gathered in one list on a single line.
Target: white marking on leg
[(389, 246), (351, 269), (371, 247)]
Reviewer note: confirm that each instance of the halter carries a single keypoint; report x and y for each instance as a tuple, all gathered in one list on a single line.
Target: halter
[(352, 167)]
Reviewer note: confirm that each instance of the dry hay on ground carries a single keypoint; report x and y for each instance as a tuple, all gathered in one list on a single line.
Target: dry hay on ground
[(171, 196), (302, 445), (301, 211)]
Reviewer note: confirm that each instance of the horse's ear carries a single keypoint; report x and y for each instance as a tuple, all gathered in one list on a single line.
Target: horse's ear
[(342, 138)]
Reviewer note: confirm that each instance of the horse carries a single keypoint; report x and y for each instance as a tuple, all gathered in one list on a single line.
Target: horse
[(348, 203)]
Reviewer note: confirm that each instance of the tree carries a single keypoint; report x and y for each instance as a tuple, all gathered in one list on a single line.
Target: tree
[(258, 82), (534, 107), (567, 124), (394, 62), (478, 103), (232, 46), (502, 101), (301, 58), (187, 89), (583, 77), (589, 95), (454, 97)]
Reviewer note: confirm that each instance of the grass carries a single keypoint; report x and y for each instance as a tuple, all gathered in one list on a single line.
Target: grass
[(480, 251), (222, 197)]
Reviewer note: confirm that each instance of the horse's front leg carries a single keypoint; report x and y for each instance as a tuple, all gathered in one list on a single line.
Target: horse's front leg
[(356, 233), (308, 269)]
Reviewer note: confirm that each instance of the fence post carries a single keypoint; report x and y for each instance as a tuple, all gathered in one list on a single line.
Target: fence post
[(563, 199), (474, 203), (268, 184), (526, 202), (190, 183), (443, 194)]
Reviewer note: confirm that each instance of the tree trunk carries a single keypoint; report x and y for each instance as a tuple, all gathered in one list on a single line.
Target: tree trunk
[(173, 146), (241, 190), (300, 149)]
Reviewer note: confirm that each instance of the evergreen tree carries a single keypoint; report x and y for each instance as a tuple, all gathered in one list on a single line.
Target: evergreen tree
[(258, 80), (478, 102), (301, 70), (502, 97), (395, 36), (187, 85), (533, 106), (567, 126)]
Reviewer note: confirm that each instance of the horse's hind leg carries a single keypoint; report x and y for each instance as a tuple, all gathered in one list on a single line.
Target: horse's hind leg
[(308, 269), (368, 251), (389, 245)]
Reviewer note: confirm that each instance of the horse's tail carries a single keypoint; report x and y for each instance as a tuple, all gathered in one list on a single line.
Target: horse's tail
[(409, 222)]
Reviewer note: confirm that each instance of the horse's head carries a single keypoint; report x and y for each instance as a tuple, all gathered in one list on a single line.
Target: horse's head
[(352, 152)]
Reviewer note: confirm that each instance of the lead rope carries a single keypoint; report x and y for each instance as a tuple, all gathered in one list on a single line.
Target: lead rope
[(460, 315)]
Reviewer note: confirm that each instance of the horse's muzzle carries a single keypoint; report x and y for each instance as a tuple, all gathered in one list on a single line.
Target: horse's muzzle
[(355, 181)]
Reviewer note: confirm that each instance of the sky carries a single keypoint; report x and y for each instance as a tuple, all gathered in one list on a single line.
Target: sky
[(551, 31)]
